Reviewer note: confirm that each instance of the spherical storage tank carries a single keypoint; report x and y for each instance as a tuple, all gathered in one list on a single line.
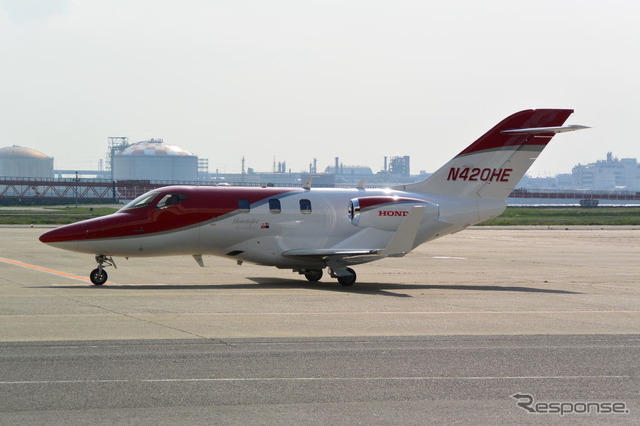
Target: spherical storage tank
[(18, 161), (155, 160)]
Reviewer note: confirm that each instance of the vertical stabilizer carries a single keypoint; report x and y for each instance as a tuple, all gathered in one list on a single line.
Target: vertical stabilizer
[(493, 165)]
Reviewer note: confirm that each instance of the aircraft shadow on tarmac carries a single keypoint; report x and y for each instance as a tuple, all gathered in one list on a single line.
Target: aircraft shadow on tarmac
[(388, 288), (384, 289)]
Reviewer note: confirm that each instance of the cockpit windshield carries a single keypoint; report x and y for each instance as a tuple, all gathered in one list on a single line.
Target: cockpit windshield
[(171, 200), (167, 200), (141, 201)]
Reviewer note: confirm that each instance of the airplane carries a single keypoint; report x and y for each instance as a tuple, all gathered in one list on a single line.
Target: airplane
[(310, 229)]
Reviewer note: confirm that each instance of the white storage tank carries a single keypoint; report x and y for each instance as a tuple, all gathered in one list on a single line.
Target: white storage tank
[(155, 160), (18, 161)]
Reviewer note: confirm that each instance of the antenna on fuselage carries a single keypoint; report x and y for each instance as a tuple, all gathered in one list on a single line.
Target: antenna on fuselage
[(307, 183)]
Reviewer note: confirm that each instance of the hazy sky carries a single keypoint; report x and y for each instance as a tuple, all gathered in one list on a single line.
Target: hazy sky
[(298, 80)]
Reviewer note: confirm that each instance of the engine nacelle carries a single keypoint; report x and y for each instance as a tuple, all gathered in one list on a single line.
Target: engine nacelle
[(387, 212)]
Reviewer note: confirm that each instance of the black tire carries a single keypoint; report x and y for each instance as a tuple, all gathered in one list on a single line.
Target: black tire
[(313, 275), (347, 280), (98, 277)]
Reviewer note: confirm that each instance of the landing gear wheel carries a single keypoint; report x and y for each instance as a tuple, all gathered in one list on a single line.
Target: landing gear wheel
[(347, 280), (313, 275), (98, 276)]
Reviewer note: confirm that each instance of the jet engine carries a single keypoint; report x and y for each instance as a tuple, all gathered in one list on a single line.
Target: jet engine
[(387, 212)]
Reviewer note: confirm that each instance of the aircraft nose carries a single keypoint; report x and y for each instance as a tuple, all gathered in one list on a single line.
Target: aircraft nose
[(63, 234), (46, 237)]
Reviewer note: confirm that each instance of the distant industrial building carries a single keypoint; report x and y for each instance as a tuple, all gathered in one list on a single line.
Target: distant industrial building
[(400, 166), (341, 169), (349, 170), (612, 173), (18, 161), (154, 160)]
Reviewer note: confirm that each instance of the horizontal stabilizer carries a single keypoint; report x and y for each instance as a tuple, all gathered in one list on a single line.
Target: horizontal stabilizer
[(538, 130)]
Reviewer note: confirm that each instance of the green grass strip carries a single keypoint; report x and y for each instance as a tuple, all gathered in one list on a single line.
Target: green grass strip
[(515, 216)]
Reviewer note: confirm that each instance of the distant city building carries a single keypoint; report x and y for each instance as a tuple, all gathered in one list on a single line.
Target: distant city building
[(18, 161), (155, 160), (612, 173), (529, 182), (564, 180)]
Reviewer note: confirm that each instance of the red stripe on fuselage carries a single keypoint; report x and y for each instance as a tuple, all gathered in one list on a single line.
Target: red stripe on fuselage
[(203, 203)]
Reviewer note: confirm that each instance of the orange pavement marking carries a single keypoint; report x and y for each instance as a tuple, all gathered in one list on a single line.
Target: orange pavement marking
[(47, 270)]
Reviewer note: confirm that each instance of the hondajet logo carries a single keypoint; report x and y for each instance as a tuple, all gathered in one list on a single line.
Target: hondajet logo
[(393, 213)]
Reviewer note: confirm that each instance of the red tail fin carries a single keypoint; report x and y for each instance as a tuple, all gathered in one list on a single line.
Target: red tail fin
[(493, 165)]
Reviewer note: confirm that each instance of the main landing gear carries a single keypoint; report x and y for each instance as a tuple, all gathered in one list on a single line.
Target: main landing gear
[(313, 275), (99, 276), (346, 277)]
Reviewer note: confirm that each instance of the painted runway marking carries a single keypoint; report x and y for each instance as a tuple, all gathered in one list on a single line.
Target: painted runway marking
[(404, 313), (253, 314), (45, 270), (306, 379), (449, 257)]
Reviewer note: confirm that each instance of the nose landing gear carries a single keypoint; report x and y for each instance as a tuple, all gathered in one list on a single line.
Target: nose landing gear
[(99, 276)]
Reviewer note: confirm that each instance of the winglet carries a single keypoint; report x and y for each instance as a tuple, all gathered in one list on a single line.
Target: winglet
[(403, 241)]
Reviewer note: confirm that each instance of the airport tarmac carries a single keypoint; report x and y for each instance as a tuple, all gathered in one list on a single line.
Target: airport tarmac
[(480, 281), (447, 334)]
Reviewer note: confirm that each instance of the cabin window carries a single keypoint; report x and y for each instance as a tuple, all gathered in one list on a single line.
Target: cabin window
[(244, 206), (274, 205), (305, 206), (170, 200)]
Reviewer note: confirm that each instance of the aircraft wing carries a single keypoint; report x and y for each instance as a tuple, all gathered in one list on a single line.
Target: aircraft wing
[(400, 244), (331, 252)]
